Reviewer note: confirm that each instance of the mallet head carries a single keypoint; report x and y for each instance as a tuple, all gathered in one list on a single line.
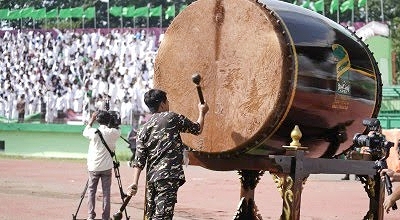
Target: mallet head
[(196, 78)]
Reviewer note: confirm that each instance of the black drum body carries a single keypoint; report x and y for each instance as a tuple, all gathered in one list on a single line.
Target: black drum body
[(267, 66), (338, 82)]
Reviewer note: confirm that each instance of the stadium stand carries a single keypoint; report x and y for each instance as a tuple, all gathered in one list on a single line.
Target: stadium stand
[(67, 74)]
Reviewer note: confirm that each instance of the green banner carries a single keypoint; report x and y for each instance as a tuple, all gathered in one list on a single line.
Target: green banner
[(141, 12), (115, 11), (128, 11), (305, 4), (76, 12), (155, 12), (170, 12), (26, 12), (362, 3), (14, 14), (65, 13), (317, 6), (52, 13), (334, 6), (89, 13), (3, 14), (39, 14), (347, 5)]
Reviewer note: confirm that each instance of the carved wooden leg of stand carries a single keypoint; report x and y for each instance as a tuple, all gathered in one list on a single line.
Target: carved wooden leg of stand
[(375, 190), (290, 189), (247, 209)]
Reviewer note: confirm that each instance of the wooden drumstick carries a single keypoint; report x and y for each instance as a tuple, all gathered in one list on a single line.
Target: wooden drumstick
[(118, 215), (196, 78)]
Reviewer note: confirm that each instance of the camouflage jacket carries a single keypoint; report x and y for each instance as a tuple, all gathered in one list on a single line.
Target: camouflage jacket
[(159, 143)]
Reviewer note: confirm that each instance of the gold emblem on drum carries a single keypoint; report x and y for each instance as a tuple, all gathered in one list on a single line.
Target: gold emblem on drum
[(343, 86)]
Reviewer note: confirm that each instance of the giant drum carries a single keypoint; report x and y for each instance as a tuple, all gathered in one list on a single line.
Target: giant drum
[(267, 66)]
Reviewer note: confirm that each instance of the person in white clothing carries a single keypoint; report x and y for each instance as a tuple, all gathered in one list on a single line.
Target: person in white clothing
[(126, 111), (99, 160), (78, 99)]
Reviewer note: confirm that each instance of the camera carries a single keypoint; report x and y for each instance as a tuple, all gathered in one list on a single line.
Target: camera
[(110, 118), (375, 141)]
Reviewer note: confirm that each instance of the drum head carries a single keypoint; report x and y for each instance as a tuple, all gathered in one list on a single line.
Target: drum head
[(246, 69)]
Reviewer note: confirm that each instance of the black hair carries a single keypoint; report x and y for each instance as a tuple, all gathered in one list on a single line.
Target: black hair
[(153, 98), (103, 118)]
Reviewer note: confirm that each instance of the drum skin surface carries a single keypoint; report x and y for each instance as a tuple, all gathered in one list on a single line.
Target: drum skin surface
[(267, 66)]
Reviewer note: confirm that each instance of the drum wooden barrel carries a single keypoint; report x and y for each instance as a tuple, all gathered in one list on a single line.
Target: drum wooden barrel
[(267, 66)]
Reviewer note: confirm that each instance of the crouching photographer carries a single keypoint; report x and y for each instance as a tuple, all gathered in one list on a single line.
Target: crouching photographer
[(100, 157)]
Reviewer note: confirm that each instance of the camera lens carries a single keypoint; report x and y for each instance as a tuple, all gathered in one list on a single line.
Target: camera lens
[(361, 140)]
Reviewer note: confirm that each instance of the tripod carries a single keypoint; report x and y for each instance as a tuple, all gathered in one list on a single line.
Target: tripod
[(121, 191)]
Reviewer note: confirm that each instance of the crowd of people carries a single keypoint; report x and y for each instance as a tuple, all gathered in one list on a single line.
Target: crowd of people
[(70, 73)]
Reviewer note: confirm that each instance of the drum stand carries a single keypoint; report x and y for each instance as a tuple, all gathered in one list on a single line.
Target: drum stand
[(296, 169), (118, 177), (290, 173)]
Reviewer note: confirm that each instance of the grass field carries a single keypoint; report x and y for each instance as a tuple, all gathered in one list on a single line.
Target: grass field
[(52, 144)]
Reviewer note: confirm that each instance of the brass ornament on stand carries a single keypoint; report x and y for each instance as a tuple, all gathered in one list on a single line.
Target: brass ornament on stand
[(295, 144)]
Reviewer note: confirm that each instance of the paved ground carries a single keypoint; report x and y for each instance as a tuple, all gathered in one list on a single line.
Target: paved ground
[(51, 189)]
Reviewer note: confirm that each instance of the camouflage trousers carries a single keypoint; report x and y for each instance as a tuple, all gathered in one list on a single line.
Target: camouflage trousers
[(161, 198)]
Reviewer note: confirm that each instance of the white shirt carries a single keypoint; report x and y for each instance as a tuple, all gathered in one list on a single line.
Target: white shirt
[(98, 158)]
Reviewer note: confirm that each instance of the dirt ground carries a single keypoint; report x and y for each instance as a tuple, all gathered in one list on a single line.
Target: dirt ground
[(51, 189)]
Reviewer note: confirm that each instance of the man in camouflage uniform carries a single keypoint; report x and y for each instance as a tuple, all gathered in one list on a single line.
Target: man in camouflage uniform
[(159, 143)]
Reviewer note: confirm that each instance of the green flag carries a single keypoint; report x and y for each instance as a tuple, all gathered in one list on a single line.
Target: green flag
[(14, 14), (170, 12), (334, 6), (52, 13), (89, 13), (116, 11), (182, 8), (141, 12), (26, 12), (305, 4), (362, 3), (128, 11), (317, 6), (3, 14), (76, 12), (347, 5), (155, 12), (65, 13), (39, 14)]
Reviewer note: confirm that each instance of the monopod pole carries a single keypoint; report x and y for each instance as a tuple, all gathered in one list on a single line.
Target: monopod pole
[(80, 203)]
